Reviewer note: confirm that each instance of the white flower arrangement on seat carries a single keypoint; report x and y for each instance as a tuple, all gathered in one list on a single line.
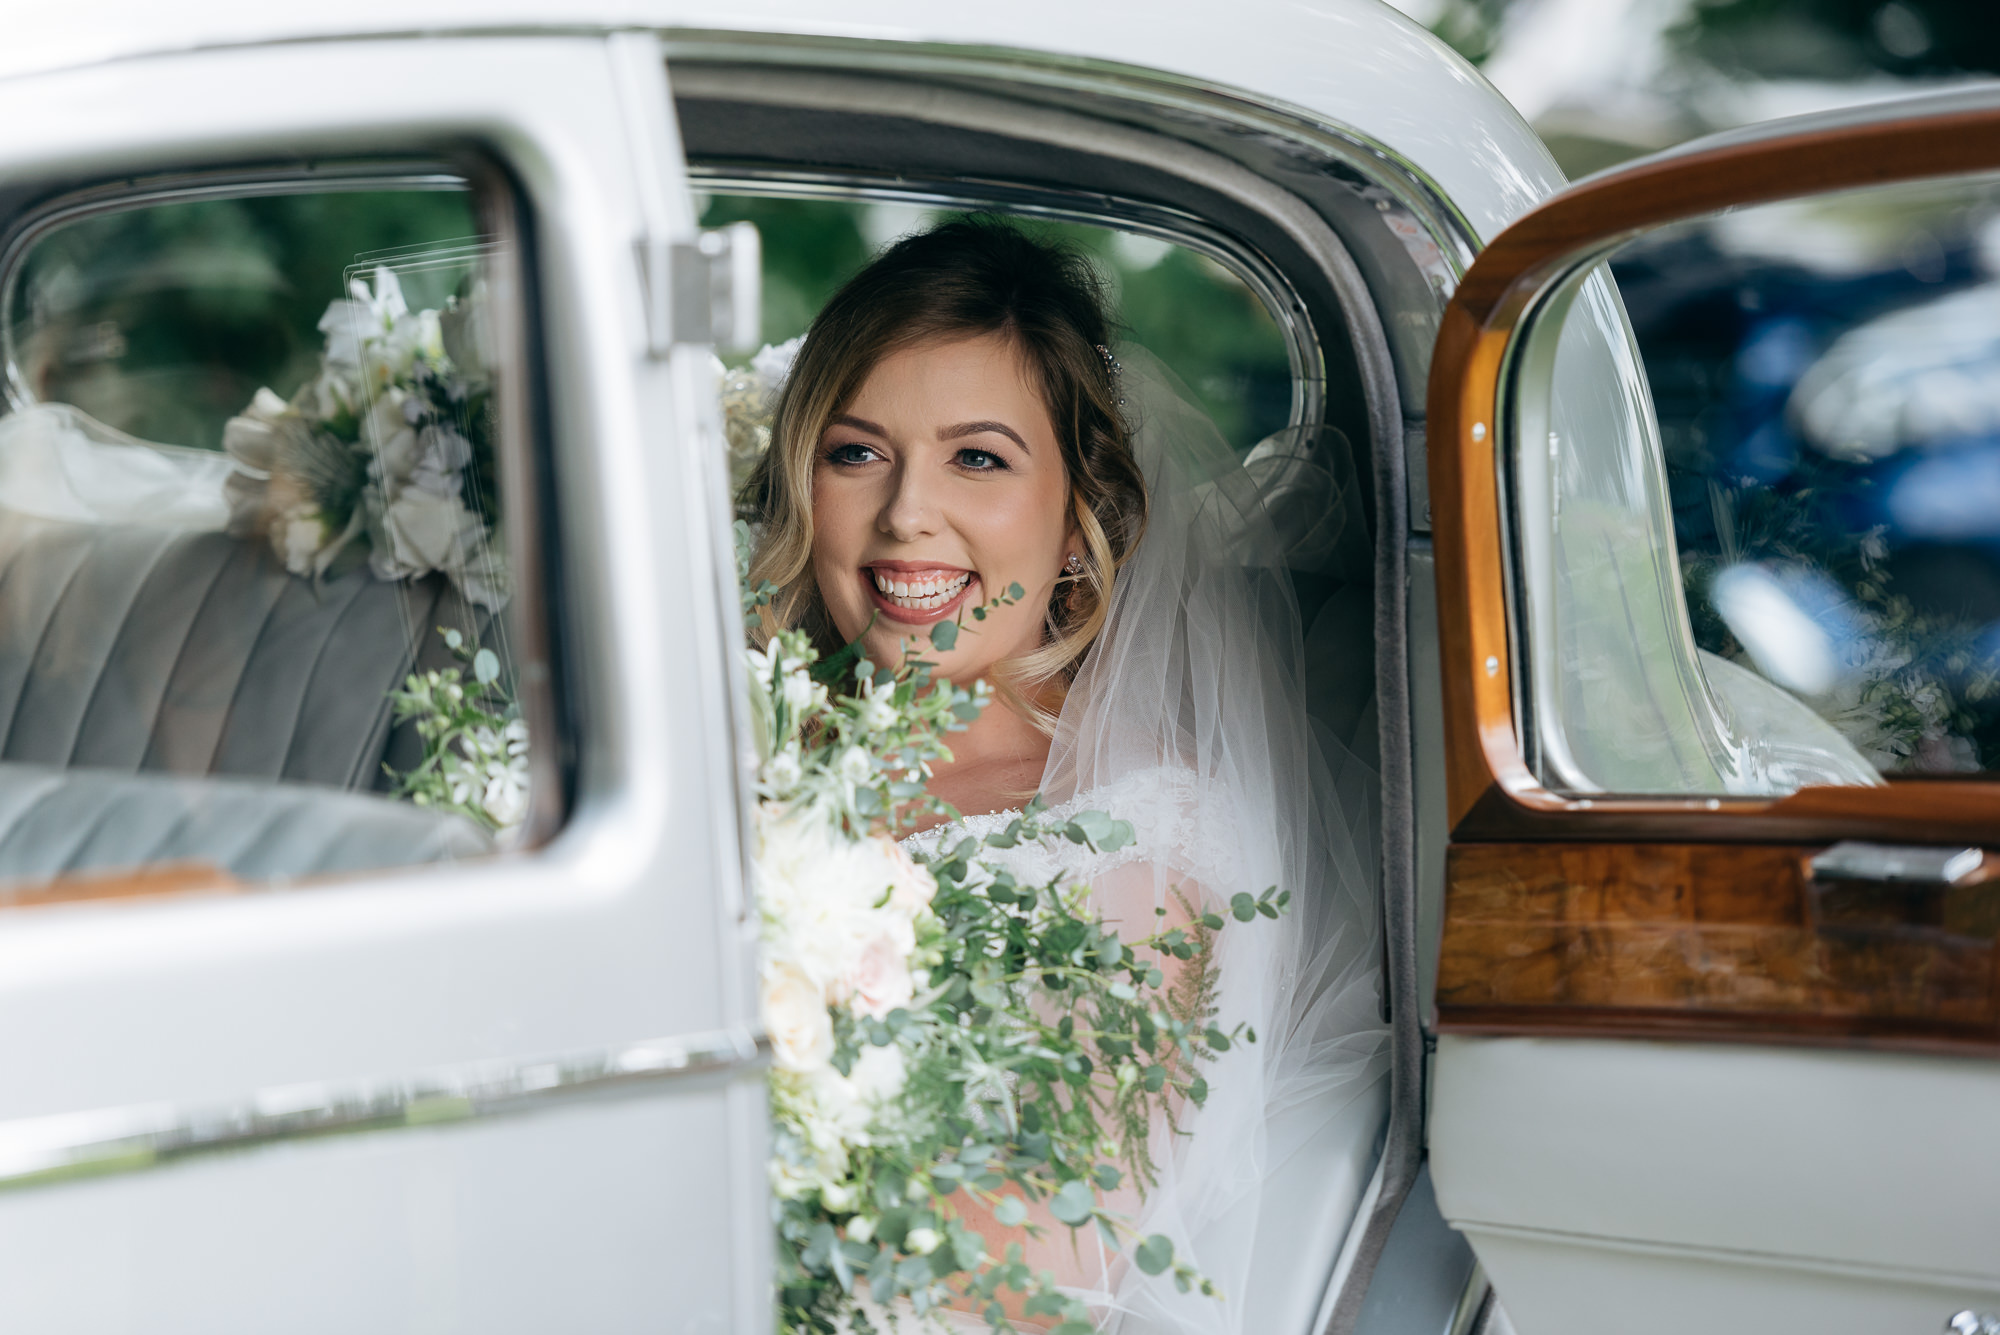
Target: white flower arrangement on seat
[(389, 448)]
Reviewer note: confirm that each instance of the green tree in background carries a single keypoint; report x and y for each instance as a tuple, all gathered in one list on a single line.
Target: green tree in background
[(1843, 39)]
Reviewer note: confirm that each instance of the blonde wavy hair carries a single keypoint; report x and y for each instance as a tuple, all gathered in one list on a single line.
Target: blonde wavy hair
[(973, 277)]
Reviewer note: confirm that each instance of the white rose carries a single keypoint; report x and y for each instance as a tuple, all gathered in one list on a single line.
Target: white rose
[(796, 1019), (427, 532), (922, 1241), (838, 1197), (911, 887), (880, 981), (388, 431)]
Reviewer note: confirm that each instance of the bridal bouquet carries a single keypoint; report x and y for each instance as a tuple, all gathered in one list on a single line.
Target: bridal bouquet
[(945, 1037), (388, 449)]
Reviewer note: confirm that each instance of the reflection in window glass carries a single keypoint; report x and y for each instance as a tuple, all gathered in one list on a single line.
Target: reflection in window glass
[(253, 574), (1827, 378)]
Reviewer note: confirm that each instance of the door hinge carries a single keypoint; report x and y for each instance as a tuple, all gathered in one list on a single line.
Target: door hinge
[(707, 291)]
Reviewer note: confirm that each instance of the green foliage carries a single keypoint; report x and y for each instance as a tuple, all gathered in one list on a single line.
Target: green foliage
[(475, 743), (1841, 39), (1037, 1053)]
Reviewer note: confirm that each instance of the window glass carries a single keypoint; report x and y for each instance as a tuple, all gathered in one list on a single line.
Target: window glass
[(254, 587), (1191, 312), (1826, 379)]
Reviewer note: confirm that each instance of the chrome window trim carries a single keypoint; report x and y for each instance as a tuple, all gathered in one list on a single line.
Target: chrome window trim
[(1278, 296), (42, 1151)]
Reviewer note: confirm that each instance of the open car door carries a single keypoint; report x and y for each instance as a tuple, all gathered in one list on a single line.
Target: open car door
[(325, 1007), (1717, 1003)]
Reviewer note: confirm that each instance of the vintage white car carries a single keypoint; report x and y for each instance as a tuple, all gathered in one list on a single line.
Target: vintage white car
[(287, 1048)]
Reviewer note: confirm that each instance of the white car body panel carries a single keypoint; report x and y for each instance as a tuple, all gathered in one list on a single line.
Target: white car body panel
[(1357, 63), (629, 926), (1586, 1173)]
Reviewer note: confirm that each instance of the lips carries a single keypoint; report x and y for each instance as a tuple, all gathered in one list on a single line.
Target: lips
[(917, 595)]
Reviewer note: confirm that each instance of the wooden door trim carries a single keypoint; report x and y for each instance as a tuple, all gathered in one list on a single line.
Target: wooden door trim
[(1717, 943), (1493, 795)]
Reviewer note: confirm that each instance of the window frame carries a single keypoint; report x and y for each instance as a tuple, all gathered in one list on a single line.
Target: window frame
[(529, 501), (1494, 792)]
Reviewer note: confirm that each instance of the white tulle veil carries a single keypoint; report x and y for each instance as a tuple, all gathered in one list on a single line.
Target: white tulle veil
[(1189, 718)]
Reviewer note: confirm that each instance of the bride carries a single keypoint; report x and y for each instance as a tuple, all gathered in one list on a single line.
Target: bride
[(957, 423)]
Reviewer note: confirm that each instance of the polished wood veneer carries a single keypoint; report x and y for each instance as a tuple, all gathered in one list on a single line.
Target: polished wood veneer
[(1713, 942)]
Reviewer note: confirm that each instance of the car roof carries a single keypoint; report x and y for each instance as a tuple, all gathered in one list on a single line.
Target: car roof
[(1357, 63)]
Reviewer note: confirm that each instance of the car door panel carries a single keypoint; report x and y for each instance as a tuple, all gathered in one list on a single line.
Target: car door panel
[(1683, 1079), (548, 1059)]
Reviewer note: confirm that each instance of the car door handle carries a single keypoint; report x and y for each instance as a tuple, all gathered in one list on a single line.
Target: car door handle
[(1880, 891), (1853, 860)]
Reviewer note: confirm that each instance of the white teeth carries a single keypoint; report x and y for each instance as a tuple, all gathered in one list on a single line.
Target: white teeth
[(924, 593)]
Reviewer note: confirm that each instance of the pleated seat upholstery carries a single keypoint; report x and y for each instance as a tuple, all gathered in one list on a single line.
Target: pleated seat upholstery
[(127, 650)]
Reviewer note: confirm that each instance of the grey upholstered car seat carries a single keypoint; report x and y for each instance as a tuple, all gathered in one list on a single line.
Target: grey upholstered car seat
[(127, 649)]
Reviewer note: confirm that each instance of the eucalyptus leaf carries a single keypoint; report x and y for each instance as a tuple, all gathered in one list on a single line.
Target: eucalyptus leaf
[(944, 635), (1011, 1212), (486, 667), (1074, 1203), (1155, 1254)]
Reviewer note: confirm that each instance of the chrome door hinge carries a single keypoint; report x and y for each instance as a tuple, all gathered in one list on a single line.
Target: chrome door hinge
[(710, 291)]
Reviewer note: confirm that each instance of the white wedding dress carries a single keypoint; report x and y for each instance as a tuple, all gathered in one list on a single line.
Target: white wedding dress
[(1188, 719)]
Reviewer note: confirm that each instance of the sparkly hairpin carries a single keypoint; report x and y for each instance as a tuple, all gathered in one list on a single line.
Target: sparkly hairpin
[(1112, 367)]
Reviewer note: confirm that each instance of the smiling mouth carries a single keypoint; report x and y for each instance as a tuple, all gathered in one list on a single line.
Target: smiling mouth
[(909, 596)]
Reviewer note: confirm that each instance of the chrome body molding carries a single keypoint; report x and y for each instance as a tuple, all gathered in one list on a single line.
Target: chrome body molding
[(38, 1151)]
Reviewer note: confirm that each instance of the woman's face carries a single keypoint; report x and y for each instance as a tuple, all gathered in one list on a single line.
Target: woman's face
[(940, 485)]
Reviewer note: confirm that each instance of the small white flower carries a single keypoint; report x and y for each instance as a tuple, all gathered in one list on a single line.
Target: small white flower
[(838, 1197), (921, 1241), (506, 797), (876, 714), (782, 771), (860, 1228), (801, 693), (855, 766)]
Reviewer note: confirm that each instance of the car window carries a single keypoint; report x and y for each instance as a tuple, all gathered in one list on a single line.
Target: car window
[(1824, 498), (256, 606), (1187, 309)]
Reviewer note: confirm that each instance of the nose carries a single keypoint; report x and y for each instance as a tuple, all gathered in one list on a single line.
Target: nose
[(909, 511)]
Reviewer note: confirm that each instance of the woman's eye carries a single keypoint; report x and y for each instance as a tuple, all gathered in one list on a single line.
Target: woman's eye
[(849, 454), (980, 461)]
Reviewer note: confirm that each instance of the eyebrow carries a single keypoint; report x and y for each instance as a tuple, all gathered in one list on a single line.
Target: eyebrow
[(978, 428), (858, 423)]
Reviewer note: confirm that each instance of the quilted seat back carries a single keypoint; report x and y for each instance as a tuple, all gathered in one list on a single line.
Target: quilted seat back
[(130, 648)]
